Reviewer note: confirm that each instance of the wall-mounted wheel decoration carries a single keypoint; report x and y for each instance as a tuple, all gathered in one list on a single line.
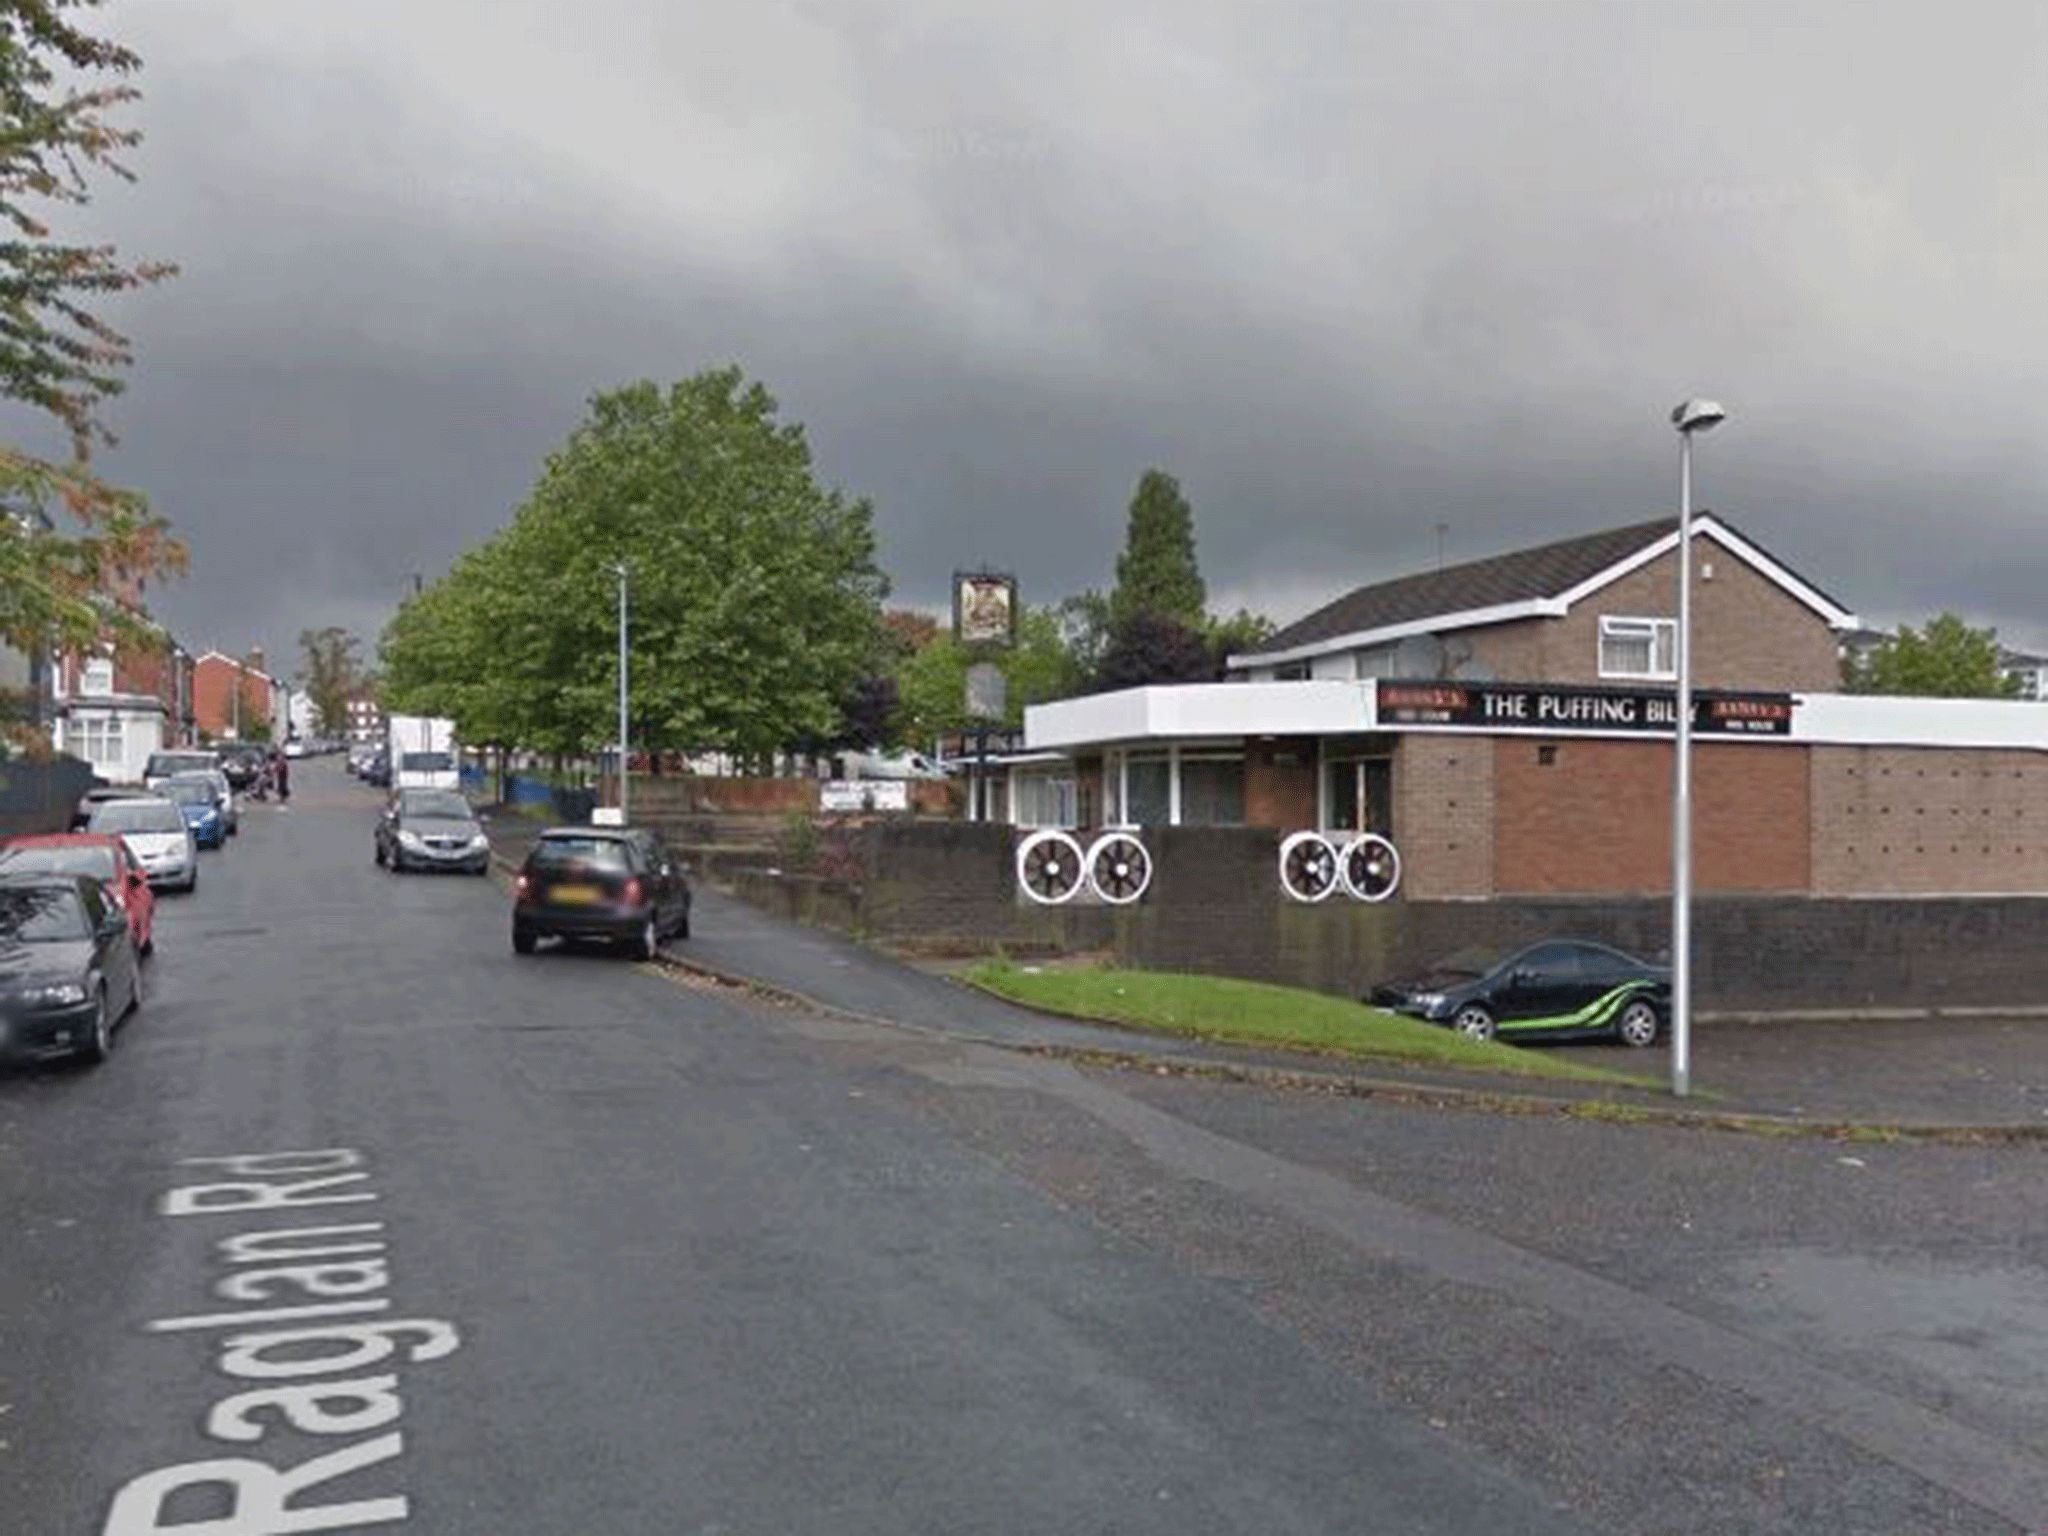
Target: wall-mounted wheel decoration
[(1119, 868), (1308, 866), (1050, 867), (1370, 867)]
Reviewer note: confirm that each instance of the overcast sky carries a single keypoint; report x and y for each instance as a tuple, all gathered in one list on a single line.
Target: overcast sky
[(1349, 270)]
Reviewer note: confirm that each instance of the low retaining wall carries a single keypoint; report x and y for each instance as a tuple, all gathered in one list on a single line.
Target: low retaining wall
[(1215, 905)]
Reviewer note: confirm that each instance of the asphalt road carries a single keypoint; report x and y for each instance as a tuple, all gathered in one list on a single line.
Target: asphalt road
[(593, 1250)]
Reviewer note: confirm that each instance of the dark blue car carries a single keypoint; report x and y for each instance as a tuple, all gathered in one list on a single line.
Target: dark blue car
[(195, 798)]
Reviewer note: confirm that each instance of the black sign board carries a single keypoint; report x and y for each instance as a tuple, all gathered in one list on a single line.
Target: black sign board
[(1623, 711), (971, 743)]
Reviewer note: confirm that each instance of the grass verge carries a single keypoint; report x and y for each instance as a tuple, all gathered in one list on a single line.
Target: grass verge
[(1256, 1013)]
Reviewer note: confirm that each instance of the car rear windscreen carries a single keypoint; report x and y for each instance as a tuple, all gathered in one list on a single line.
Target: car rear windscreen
[(557, 852), (164, 763)]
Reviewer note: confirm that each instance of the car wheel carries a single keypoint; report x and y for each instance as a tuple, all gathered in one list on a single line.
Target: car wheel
[(648, 945), (1473, 1022), (522, 942), (100, 1045), (1637, 1025)]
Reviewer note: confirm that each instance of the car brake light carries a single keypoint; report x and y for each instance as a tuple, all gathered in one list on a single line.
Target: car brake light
[(634, 895), (524, 887)]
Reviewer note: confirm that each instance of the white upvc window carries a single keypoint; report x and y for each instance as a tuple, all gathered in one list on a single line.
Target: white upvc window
[(96, 676), (1638, 648), (97, 739)]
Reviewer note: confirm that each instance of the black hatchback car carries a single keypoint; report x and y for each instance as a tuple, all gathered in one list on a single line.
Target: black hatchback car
[(1558, 989), (621, 885), (69, 972)]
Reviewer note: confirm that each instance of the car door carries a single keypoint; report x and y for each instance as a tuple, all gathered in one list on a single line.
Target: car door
[(669, 890), (1542, 983), (113, 946)]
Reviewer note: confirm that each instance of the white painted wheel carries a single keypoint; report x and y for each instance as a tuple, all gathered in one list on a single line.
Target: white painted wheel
[(1638, 1024), (1050, 866), (1119, 868), (1308, 866), (1370, 868)]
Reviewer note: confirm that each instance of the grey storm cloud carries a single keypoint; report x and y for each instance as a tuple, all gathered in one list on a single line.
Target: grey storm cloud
[(1351, 271)]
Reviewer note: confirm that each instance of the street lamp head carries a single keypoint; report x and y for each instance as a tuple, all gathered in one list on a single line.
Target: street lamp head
[(1691, 416)]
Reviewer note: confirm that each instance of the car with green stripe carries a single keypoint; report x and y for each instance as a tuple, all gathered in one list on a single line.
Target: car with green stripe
[(1555, 989)]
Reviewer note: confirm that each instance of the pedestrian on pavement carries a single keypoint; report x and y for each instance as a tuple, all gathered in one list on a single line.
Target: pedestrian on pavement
[(281, 770)]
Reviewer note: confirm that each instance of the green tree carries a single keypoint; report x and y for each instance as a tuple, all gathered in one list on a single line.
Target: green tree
[(1237, 634), (330, 670), (61, 589), (754, 593), (1157, 572), (1948, 659), (932, 685)]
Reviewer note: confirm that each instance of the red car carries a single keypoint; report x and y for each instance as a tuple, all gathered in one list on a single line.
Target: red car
[(101, 855)]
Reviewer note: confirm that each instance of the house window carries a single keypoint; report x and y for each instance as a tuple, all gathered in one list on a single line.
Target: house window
[(1291, 672), (1377, 662), (1638, 647), (1148, 781), (97, 676), (97, 739)]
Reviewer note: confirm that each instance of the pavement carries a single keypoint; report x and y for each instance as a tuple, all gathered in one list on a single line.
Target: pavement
[(1982, 1075), (371, 1225)]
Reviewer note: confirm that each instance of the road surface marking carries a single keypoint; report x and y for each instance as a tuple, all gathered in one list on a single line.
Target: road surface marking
[(293, 1369)]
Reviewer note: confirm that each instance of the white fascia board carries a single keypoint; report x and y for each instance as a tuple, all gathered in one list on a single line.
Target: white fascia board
[(1871, 720), (1192, 711), (1707, 526), (1470, 618)]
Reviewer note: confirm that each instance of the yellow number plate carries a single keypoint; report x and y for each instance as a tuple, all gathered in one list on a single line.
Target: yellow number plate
[(574, 895)]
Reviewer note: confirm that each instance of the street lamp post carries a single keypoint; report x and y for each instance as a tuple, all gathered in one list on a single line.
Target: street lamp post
[(1689, 417), (619, 570)]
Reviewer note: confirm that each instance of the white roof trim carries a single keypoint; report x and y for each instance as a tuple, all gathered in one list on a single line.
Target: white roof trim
[(1470, 618)]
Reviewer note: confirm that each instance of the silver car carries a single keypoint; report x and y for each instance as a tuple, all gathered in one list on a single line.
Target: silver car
[(156, 833), (432, 829)]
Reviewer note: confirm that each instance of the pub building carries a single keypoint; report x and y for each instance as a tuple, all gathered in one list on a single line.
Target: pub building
[(1508, 723)]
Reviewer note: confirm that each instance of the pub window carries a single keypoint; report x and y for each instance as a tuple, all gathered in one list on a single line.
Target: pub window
[(1638, 648), (1211, 791), (1291, 672)]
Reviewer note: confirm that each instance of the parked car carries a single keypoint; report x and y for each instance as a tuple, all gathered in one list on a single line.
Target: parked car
[(157, 834), (377, 770), (163, 765), (99, 794), (101, 856), (69, 972), (432, 829), (1559, 988), (618, 884), (194, 796), (216, 781)]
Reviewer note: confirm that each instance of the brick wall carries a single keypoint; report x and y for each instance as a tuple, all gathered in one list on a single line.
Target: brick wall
[(1280, 783), (1747, 631), (1443, 815), (1215, 907), (1596, 818), (1902, 820)]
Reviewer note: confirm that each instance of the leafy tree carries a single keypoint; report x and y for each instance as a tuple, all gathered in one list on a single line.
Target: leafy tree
[(63, 590), (1237, 634), (1151, 648), (1084, 628), (905, 632), (754, 593), (1946, 660), (933, 683), (1157, 572), (331, 674)]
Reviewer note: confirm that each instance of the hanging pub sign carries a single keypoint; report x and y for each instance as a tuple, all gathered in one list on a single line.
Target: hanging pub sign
[(984, 608), (1623, 711)]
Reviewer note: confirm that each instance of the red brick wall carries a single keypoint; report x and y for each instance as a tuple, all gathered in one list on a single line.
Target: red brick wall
[(1279, 793), (1597, 819), (1443, 815)]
